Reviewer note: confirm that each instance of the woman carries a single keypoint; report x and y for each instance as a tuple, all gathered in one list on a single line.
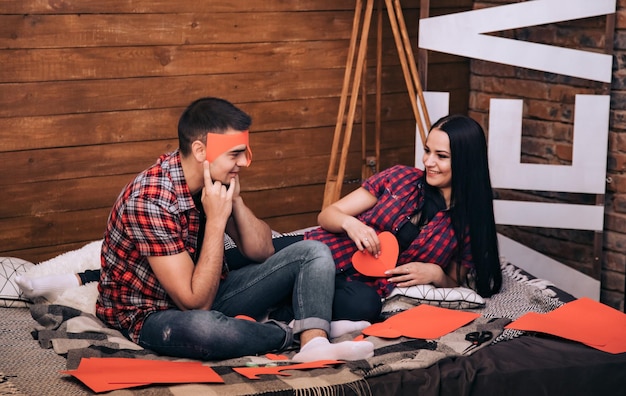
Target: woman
[(442, 217)]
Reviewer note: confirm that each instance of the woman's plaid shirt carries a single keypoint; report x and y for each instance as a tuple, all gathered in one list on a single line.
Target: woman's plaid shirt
[(400, 193)]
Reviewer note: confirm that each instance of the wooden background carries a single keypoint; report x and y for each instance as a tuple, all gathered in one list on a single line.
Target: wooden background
[(91, 92)]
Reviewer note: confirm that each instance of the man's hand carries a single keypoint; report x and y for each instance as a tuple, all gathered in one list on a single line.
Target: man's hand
[(235, 181), (217, 200)]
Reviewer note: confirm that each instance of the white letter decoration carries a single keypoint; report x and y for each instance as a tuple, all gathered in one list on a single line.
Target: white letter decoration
[(464, 34)]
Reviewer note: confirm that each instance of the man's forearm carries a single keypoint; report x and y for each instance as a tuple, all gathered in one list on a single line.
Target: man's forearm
[(252, 235)]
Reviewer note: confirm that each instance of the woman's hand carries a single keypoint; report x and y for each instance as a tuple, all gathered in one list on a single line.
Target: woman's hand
[(364, 237), (417, 273), (341, 216)]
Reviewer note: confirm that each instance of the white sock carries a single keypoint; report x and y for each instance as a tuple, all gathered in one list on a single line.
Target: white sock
[(49, 286), (341, 327), (319, 348)]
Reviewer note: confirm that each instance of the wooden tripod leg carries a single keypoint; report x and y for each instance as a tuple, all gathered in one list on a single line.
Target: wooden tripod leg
[(408, 64), (334, 178), (414, 70), (368, 168), (379, 82), (331, 176)]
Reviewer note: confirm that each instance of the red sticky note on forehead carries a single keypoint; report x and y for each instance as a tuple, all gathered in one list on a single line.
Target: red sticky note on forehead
[(219, 143)]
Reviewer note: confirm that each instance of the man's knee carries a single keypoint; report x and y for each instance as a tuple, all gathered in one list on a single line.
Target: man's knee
[(314, 247), (314, 251)]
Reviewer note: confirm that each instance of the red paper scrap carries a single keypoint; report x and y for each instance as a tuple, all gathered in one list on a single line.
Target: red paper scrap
[(254, 372), (273, 356), (423, 321), (583, 320), (106, 374)]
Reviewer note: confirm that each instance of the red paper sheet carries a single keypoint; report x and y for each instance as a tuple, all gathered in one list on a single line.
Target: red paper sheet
[(106, 374), (584, 320), (423, 321)]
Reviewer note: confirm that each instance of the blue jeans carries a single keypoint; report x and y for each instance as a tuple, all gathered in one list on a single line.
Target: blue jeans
[(305, 270)]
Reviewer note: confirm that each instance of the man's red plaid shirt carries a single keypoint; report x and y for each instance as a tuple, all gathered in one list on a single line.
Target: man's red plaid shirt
[(155, 215)]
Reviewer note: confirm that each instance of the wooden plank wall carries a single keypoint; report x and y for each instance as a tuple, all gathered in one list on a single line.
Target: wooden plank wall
[(90, 94)]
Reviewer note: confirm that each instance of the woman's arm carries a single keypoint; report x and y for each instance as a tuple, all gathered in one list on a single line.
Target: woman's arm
[(340, 217)]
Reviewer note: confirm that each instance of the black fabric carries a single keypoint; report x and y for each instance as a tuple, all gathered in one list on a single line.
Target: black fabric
[(89, 276), (282, 242), (355, 301), (406, 235), (197, 201), (432, 204), (524, 366), (236, 260)]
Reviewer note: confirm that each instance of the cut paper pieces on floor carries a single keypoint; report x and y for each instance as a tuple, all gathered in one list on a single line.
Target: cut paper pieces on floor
[(583, 320), (107, 374), (273, 356), (369, 265), (424, 321), (254, 372)]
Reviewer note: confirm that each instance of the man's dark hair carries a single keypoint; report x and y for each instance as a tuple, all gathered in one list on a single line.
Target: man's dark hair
[(209, 115)]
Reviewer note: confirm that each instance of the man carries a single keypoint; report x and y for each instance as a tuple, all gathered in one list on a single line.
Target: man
[(164, 282)]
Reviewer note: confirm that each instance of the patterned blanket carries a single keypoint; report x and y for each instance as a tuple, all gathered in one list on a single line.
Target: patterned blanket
[(77, 334)]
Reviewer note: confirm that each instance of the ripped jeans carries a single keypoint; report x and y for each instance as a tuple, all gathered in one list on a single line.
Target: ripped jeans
[(304, 270)]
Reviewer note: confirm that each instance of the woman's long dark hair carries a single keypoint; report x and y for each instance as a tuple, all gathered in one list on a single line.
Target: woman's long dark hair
[(471, 201)]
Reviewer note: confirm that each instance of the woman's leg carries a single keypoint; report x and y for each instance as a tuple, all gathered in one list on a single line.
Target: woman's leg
[(355, 301)]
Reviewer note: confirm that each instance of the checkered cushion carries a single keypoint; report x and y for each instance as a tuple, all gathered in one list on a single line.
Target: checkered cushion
[(10, 293), (403, 298)]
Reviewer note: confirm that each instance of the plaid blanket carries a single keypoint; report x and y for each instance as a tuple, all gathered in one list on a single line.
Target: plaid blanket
[(77, 334)]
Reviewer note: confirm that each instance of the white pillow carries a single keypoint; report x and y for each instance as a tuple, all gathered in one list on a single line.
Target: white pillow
[(402, 298), (71, 262), (10, 293)]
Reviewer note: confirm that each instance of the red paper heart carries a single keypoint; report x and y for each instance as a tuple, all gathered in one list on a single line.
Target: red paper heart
[(369, 265)]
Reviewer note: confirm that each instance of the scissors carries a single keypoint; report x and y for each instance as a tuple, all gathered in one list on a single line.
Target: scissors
[(477, 339)]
